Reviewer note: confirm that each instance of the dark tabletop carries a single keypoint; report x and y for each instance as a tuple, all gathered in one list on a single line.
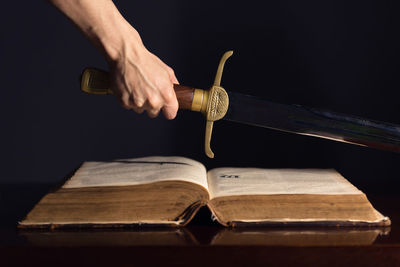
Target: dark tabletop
[(202, 243)]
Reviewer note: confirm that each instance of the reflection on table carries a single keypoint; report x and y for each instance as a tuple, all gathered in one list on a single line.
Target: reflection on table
[(193, 236)]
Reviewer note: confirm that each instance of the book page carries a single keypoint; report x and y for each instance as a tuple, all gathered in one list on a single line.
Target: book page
[(254, 181), (138, 171)]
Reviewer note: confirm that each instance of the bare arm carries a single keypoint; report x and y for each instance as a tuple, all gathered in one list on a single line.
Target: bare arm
[(141, 80)]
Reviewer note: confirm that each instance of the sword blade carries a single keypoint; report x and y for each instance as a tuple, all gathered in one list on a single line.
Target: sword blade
[(313, 122)]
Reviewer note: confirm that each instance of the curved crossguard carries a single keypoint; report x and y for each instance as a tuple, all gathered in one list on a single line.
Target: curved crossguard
[(212, 103), (217, 104)]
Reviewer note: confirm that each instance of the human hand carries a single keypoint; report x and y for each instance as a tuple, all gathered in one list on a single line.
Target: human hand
[(142, 82)]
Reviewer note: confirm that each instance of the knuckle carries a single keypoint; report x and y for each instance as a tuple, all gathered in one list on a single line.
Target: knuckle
[(138, 102), (161, 84), (155, 102), (153, 113), (168, 94)]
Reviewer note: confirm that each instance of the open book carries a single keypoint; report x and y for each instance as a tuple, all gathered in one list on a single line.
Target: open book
[(170, 190)]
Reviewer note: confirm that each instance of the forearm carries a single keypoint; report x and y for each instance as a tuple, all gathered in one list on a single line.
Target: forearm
[(98, 20), (141, 81)]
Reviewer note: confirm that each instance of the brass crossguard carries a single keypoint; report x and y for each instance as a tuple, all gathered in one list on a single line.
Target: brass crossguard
[(212, 103)]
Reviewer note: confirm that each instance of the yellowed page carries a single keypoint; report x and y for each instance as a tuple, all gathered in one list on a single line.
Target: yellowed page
[(138, 171), (253, 181)]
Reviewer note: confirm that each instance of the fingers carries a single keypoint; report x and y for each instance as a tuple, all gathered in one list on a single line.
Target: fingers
[(165, 101), (136, 108), (146, 84), (153, 105), (156, 100), (169, 112), (171, 105)]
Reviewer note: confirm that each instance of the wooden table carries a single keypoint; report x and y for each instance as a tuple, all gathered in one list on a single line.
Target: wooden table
[(201, 243)]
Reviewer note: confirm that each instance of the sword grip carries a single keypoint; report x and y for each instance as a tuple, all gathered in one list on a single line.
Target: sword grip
[(185, 95), (95, 81)]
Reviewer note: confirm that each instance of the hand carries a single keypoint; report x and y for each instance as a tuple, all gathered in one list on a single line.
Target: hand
[(142, 82)]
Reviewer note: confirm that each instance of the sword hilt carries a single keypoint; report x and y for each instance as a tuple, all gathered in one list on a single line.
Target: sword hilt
[(212, 103), (97, 82)]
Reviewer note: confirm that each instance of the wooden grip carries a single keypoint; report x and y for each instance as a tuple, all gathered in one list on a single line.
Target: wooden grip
[(184, 94)]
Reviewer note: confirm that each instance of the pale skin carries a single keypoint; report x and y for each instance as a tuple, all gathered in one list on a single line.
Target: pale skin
[(140, 80)]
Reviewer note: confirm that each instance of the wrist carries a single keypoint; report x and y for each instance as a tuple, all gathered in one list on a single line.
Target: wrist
[(121, 41), (108, 30)]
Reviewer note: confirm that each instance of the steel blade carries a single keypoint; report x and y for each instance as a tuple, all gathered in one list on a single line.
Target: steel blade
[(313, 122)]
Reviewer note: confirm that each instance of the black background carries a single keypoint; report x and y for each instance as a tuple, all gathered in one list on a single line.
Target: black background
[(337, 55)]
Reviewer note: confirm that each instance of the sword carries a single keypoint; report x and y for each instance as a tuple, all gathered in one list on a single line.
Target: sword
[(216, 104)]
